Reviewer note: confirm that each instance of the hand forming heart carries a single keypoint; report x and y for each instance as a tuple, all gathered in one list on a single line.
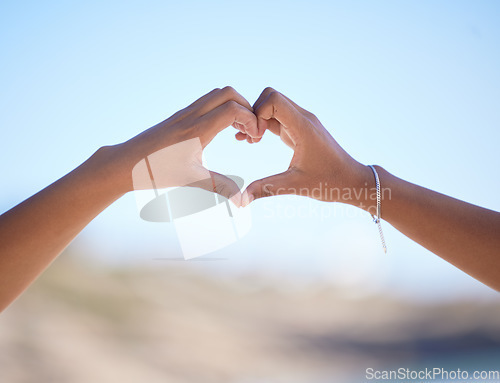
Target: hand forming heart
[(319, 168)]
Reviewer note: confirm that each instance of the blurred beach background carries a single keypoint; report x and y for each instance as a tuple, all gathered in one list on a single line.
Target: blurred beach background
[(307, 295), (82, 322)]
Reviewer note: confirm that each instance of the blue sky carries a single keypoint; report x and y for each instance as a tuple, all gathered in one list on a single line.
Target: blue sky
[(413, 86)]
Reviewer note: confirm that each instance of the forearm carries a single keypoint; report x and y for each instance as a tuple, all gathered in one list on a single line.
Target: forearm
[(34, 232), (466, 235)]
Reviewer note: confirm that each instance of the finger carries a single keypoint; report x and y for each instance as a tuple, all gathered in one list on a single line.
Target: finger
[(204, 99), (263, 96), (225, 115), (199, 105), (241, 136), (239, 127), (269, 90), (219, 97), (278, 184), (194, 106), (272, 125), (226, 187), (276, 106), (220, 184)]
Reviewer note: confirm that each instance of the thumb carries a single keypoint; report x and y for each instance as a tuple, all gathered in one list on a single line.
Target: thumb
[(226, 187), (220, 184), (278, 184)]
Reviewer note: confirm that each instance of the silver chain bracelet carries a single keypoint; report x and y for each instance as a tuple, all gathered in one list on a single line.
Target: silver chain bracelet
[(376, 218)]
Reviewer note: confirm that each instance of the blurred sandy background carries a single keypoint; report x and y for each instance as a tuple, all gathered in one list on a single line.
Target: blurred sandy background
[(85, 322)]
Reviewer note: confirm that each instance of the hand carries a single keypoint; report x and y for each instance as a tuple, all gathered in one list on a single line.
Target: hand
[(319, 168), (172, 150)]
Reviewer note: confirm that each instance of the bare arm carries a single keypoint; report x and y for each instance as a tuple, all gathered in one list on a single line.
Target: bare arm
[(465, 235), (34, 232)]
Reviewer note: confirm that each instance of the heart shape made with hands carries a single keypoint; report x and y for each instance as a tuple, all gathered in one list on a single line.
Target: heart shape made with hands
[(319, 167), (171, 156), (180, 163)]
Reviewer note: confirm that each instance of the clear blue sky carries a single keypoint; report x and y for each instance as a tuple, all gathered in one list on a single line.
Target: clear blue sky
[(413, 86)]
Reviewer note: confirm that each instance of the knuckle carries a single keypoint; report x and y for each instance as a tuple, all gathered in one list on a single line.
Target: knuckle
[(311, 116), (268, 90), (275, 97), (229, 91), (231, 106)]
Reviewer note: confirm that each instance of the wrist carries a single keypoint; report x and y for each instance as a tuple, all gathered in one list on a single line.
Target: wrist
[(363, 189), (112, 168)]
